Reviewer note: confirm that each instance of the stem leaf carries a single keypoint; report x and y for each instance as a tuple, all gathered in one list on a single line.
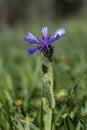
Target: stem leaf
[(44, 68)]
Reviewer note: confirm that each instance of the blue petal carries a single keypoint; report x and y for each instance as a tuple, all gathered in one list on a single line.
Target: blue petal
[(58, 33), (30, 38), (30, 51), (45, 32)]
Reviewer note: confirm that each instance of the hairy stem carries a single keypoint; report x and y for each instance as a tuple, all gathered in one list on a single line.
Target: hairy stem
[(48, 99)]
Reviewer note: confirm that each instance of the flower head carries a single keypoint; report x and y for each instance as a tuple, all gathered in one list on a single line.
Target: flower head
[(62, 93), (28, 119), (18, 102), (63, 57), (44, 44)]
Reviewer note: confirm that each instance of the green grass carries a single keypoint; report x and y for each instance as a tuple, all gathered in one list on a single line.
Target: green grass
[(20, 75)]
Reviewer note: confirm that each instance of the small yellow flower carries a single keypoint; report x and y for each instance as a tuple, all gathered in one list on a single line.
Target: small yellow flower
[(26, 79), (18, 102), (63, 57), (62, 93), (27, 119), (65, 115)]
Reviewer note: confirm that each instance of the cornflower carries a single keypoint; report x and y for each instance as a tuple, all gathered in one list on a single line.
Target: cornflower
[(44, 44)]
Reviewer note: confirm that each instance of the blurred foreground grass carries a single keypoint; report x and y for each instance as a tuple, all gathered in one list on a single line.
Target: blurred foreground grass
[(20, 76)]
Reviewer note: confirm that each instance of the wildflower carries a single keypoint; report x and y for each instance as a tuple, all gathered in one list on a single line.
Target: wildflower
[(65, 115), (28, 119), (62, 93), (63, 57), (44, 43), (26, 79), (18, 102)]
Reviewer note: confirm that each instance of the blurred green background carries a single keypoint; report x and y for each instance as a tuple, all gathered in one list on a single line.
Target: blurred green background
[(25, 11), (20, 74)]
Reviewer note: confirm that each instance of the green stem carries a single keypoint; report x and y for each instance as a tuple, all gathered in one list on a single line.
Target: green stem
[(48, 98), (47, 116), (51, 84), (51, 91), (41, 117), (51, 74)]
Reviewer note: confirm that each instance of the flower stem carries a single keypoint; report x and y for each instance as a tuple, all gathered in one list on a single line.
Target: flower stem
[(48, 99), (51, 84)]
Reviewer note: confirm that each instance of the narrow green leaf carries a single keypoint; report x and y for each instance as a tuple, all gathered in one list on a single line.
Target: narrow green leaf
[(68, 124), (33, 127), (29, 125), (80, 126)]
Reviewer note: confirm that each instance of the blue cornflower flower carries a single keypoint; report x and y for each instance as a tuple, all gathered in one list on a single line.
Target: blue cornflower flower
[(44, 43)]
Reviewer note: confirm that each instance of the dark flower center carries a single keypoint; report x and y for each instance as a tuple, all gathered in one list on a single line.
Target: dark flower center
[(47, 51)]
